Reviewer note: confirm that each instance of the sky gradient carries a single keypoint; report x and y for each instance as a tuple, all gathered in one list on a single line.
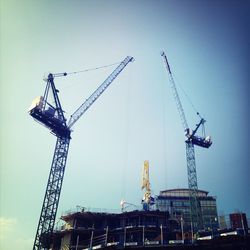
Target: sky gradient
[(136, 119)]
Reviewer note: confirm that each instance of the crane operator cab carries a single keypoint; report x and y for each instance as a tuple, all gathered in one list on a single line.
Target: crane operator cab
[(204, 141), (46, 114)]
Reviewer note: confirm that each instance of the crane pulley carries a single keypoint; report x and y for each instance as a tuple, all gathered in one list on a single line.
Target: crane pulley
[(52, 116)]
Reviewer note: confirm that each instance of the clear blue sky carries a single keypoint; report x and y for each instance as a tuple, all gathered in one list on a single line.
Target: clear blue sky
[(136, 118)]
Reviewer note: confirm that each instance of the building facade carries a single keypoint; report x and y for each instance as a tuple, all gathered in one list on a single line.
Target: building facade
[(176, 202)]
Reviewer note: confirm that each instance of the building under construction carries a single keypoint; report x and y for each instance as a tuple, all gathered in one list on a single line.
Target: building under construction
[(96, 230), (138, 229), (156, 224)]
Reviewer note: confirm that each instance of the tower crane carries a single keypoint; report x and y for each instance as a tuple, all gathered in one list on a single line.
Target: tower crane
[(52, 116), (191, 140), (147, 200)]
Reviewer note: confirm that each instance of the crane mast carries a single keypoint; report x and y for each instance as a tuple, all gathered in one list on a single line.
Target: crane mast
[(52, 117), (192, 139)]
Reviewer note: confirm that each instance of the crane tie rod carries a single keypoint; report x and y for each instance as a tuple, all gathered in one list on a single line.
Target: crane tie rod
[(188, 98), (85, 70)]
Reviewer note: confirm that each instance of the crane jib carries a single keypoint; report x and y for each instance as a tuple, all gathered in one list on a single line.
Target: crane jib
[(204, 141), (84, 107)]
